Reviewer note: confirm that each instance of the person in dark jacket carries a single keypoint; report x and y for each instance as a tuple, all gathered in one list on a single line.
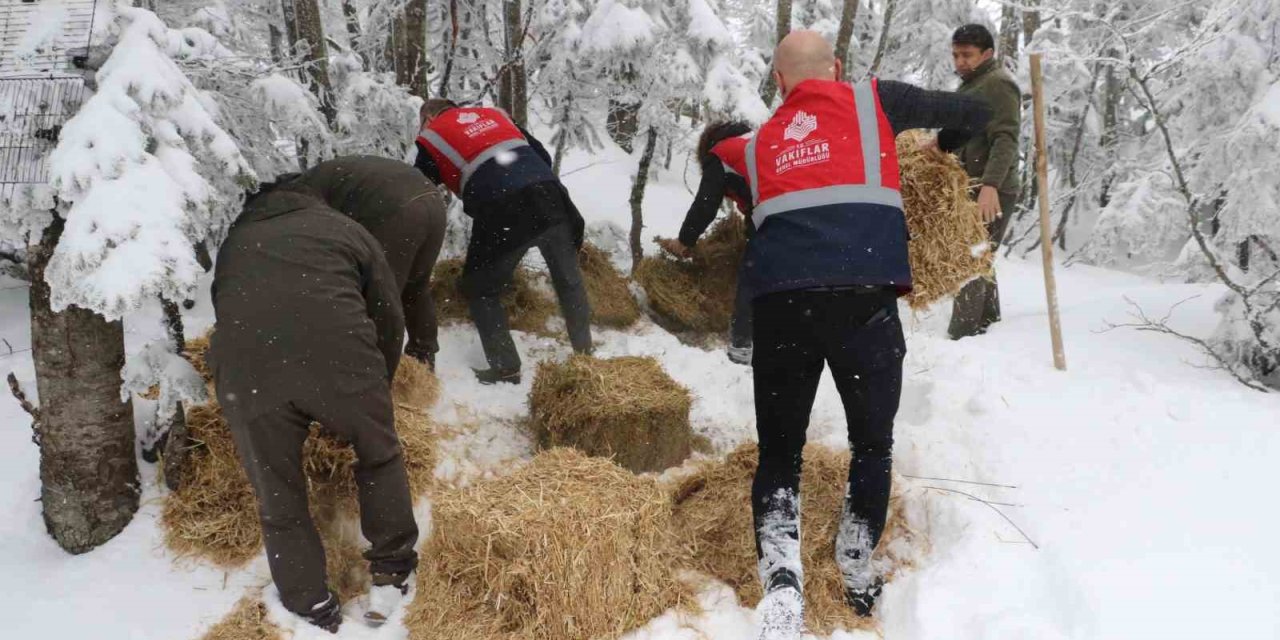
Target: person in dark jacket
[(825, 268), (309, 329), (721, 155), (991, 158), (504, 177), (406, 214)]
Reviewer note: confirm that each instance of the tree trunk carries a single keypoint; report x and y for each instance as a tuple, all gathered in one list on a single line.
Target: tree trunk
[(277, 44), (1030, 21), (1112, 91), (176, 444), (352, 18), (1009, 32), (845, 34), (308, 34), (512, 83), (88, 470), (453, 49), (562, 140), (637, 199), (784, 27), (622, 120), (411, 48), (884, 37)]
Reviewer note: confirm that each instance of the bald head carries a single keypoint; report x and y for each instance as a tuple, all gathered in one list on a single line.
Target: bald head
[(804, 55)]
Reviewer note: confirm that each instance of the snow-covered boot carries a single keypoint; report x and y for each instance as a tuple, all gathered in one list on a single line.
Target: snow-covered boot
[(781, 613), (385, 595), (864, 600), (854, 548)]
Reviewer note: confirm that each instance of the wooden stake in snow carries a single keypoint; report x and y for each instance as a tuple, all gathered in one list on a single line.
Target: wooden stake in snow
[(1046, 244)]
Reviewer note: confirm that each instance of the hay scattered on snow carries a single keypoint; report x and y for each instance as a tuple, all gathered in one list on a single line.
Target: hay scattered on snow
[(627, 409), (214, 515), (612, 304), (947, 235), (247, 621), (568, 547), (945, 224), (697, 295), (528, 307), (415, 385), (713, 519)]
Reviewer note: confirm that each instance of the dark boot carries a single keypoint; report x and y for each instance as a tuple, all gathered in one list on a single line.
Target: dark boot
[(327, 615), (864, 600), (494, 376)]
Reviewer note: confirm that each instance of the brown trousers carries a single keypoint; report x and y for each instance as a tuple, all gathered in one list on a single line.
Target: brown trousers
[(977, 306), (270, 448)]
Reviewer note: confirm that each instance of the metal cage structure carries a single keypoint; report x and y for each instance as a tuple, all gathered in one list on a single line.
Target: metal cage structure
[(43, 44)]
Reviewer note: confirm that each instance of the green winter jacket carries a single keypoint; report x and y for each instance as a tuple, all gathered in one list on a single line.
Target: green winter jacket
[(991, 157)]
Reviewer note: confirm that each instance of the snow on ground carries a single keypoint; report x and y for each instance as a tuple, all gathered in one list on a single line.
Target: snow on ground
[(1141, 477)]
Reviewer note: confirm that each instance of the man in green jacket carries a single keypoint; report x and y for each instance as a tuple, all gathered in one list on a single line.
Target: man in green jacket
[(406, 215), (991, 159)]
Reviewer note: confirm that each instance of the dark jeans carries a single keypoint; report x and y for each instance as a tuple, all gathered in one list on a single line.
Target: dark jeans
[(483, 283), (270, 448), (977, 306), (858, 335), (740, 325)]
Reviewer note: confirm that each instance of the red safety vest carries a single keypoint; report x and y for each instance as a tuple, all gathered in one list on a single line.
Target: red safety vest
[(732, 153), (462, 139), (828, 144)]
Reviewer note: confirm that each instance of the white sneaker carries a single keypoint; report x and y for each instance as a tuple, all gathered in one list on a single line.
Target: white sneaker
[(781, 614), (384, 600)]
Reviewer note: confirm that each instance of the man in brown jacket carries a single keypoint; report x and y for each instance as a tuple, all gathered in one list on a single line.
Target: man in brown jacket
[(990, 158), (406, 214), (309, 329)]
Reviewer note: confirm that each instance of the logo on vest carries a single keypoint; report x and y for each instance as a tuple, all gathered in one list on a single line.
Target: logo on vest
[(801, 126), (476, 124)]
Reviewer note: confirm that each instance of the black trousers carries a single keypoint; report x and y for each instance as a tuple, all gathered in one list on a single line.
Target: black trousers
[(270, 448), (485, 276), (977, 306), (740, 325), (856, 333)]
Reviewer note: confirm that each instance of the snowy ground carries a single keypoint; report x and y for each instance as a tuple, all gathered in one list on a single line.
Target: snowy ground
[(1141, 478)]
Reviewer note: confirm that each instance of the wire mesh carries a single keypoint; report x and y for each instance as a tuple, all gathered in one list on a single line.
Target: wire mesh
[(32, 112), (43, 37)]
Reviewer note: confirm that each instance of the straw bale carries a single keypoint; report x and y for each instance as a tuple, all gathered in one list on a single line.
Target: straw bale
[(697, 295), (612, 304), (247, 621), (713, 517), (528, 306), (627, 409), (948, 239), (568, 547)]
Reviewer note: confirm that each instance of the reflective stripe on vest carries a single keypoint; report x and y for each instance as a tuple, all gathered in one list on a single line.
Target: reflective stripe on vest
[(872, 190), (467, 169)]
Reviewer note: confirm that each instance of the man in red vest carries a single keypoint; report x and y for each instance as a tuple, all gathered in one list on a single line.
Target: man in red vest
[(504, 177), (825, 268), (722, 157)]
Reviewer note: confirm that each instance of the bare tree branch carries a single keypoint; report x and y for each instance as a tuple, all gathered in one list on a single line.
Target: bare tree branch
[(1146, 324), (993, 507)]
